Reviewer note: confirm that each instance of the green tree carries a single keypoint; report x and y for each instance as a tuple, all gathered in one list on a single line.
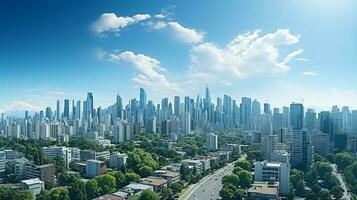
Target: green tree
[(311, 177), (9, 194), (149, 195), (323, 168), (227, 192), (106, 183), (119, 178), (291, 195), (176, 188), (66, 178), (245, 178), (59, 193), (44, 195), (244, 165), (231, 179), (337, 192), (166, 194), (131, 177), (343, 160), (330, 181), (145, 171), (324, 195), (77, 190), (310, 195), (255, 155), (92, 189)]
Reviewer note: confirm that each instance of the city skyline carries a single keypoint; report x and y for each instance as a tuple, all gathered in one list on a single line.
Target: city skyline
[(277, 52)]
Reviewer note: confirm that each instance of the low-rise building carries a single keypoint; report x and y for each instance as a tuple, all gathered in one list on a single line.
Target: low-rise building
[(44, 172), (117, 160), (35, 186), (95, 168), (170, 176), (156, 182), (136, 188), (267, 171), (56, 151), (263, 191), (92, 155), (109, 197), (193, 164)]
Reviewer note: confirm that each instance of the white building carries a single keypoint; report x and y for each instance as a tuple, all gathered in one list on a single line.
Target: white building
[(280, 156), (117, 160), (265, 171), (35, 186), (212, 142), (55, 151), (2, 163)]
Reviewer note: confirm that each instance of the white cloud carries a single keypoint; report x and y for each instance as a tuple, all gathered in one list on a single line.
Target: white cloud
[(181, 33), (150, 72), (113, 23), (310, 73), (246, 56), (18, 106)]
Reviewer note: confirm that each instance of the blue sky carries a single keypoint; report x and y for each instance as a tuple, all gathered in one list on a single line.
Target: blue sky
[(276, 51)]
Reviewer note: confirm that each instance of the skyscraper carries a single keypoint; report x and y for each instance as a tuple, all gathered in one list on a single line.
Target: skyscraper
[(310, 119), (66, 109), (246, 112), (58, 110), (267, 108), (176, 105), (89, 106), (78, 110), (142, 98), (296, 116), (119, 107)]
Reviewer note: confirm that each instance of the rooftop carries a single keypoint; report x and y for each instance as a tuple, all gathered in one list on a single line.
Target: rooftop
[(32, 181), (138, 186), (108, 197), (154, 181), (264, 188)]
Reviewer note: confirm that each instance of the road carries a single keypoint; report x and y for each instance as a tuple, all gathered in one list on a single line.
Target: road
[(346, 194), (209, 186)]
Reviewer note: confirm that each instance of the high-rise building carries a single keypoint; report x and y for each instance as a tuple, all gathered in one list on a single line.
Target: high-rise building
[(310, 119), (176, 105), (354, 122), (89, 106), (186, 123), (212, 142), (267, 108), (296, 116), (48, 113), (142, 98), (119, 107), (246, 112), (78, 110), (58, 110), (66, 109)]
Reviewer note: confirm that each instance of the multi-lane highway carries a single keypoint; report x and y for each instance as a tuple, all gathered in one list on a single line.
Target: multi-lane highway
[(209, 186)]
